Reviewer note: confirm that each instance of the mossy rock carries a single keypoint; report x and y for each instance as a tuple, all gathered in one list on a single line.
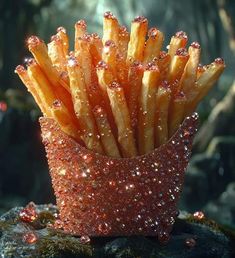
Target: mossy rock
[(207, 239)]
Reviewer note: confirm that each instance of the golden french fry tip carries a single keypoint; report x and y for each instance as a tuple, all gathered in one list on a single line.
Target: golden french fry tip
[(19, 69), (56, 52), (140, 19), (195, 44), (30, 61), (181, 34), (23, 74), (81, 25), (200, 69), (139, 27), (54, 38), (152, 33), (110, 28), (33, 41), (62, 34), (61, 29), (109, 15), (179, 40), (153, 45), (177, 65), (219, 61), (80, 30)]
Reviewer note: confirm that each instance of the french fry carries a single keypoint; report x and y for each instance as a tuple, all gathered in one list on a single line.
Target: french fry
[(122, 73), (47, 95), (80, 31), (94, 91), (116, 63), (119, 95), (139, 27), (162, 112), (96, 46), (179, 40), (84, 57), (82, 107), (189, 76), (204, 84), (200, 70), (122, 119), (123, 41), (22, 73), (64, 96), (176, 113), (177, 65), (147, 109), (110, 28), (134, 81), (109, 55), (106, 135), (36, 74), (209, 77), (105, 78), (62, 34), (63, 118), (163, 63), (39, 50), (56, 53), (153, 45), (44, 88)]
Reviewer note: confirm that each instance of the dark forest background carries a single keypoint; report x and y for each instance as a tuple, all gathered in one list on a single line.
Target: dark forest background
[(210, 180)]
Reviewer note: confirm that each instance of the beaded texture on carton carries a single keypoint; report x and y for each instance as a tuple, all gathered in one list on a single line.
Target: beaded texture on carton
[(103, 196)]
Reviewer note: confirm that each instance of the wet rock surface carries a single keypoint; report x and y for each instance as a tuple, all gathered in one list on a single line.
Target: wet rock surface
[(27, 232)]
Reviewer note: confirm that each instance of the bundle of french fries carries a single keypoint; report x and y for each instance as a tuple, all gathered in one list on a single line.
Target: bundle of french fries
[(118, 95)]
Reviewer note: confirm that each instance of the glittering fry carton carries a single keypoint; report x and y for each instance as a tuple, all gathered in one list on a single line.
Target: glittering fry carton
[(103, 196), (117, 123)]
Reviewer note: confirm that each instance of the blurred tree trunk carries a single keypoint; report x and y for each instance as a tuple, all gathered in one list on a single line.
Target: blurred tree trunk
[(227, 15), (16, 23), (221, 121)]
